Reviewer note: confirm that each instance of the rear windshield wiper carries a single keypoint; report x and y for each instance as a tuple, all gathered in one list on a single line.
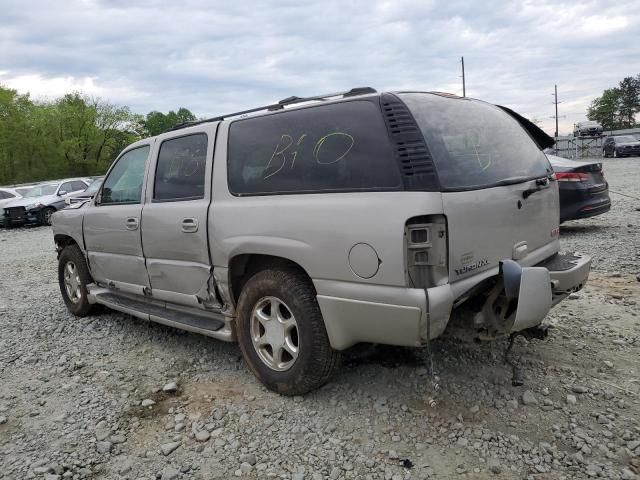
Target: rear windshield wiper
[(512, 180)]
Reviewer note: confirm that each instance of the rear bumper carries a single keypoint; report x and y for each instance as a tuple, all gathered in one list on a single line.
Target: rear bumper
[(576, 203), (568, 272), (355, 312)]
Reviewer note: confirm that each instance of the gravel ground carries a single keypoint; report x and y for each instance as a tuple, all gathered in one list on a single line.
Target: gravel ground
[(112, 397)]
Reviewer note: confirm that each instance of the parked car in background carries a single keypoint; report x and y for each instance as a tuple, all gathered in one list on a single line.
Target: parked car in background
[(9, 194), (621, 146), (39, 203), (318, 223), (587, 129), (583, 190), (86, 194)]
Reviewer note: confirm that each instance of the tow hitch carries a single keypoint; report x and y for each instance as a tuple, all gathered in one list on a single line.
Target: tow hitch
[(539, 333)]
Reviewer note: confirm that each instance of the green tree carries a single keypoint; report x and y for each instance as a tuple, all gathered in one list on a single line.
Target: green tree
[(606, 109), (157, 122), (617, 107), (629, 101)]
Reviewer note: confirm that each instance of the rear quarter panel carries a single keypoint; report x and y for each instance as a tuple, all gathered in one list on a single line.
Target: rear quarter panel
[(316, 231)]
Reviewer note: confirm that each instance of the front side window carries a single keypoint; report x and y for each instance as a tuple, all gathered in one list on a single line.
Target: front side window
[(65, 188), (180, 171), (78, 185), (474, 144), (338, 147), (124, 183)]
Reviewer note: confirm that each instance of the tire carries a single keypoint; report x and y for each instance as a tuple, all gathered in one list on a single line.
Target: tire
[(315, 361), (76, 279), (45, 215)]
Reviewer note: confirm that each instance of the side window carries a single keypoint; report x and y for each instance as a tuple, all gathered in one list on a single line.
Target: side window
[(78, 185), (124, 183), (66, 187), (5, 195), (180, 169), (339, 147)]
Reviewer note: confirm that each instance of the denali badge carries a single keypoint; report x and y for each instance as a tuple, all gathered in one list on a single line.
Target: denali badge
[(472, 267)]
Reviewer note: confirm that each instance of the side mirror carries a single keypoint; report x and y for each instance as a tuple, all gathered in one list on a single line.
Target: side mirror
[(62, 192)]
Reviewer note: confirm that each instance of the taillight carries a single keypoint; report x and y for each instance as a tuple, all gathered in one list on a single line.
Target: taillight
[(572, 177), (426, 251)]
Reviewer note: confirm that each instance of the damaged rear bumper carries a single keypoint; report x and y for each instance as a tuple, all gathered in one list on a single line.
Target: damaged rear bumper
[(355, 312)]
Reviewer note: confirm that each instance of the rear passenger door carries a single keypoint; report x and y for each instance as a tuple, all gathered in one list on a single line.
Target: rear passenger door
[(174, 219)]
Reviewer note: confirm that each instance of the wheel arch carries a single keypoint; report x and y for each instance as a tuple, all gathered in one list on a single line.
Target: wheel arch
[(243, 266), (63, 240)]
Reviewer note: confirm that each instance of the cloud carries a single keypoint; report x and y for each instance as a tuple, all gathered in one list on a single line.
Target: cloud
[(214, 57)]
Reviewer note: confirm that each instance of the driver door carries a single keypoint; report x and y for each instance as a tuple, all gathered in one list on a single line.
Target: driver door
[(112, 225)]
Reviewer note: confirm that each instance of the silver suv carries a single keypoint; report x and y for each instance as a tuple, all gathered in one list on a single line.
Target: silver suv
[(302, 228)]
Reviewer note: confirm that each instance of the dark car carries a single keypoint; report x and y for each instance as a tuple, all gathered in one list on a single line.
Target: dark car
[(583, 190), (587, 129), (621, 146)]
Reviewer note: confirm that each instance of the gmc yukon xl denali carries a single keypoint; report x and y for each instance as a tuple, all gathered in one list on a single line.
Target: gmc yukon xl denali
[(302, 228)]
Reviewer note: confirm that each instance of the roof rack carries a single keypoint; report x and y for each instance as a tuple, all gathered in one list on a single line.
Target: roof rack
[(279, 106)]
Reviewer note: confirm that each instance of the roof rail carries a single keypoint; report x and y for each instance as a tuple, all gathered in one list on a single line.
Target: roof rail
[(278, 106)]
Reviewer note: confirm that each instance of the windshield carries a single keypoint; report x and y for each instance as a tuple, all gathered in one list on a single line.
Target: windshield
[(626, 139), (42, 190), (475, 144), (23, 191), (94, 187)]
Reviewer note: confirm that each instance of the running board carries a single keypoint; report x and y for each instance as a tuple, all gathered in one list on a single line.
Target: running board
[(212, 324)]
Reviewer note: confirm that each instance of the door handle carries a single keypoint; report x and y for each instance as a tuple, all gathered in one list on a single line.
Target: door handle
[(190, 225), (132, 223)]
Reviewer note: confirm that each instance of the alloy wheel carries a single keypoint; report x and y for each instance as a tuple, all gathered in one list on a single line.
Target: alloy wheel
[(275, 334), (72, 282)]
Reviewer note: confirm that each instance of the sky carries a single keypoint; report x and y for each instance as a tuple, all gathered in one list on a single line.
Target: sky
[(215, 57)]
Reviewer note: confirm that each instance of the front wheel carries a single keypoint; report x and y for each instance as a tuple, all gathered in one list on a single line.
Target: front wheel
[(45, 215), (281, 332), (73, 277)]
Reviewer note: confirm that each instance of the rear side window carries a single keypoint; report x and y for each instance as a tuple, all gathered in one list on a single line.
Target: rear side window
[(339, 147), (180, 169), (5, 195), (475, 144)]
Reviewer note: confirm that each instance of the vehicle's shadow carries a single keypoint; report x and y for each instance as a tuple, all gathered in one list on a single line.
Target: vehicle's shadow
[(581, 229), (388, 356)]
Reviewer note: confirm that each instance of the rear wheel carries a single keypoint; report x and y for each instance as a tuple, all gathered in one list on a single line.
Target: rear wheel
[(281, 332), (73, 277)]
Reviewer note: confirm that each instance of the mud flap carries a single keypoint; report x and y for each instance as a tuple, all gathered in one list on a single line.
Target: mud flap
[(534, 298)]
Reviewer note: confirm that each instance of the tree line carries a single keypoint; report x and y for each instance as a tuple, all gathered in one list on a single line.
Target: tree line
[(617, 107), (74, 135)]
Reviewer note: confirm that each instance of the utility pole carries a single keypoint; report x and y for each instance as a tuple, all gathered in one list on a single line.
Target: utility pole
[(464, 88), (555, 101)]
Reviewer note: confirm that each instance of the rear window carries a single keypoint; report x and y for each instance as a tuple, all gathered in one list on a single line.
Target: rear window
[(338, 147), (475, 144)]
